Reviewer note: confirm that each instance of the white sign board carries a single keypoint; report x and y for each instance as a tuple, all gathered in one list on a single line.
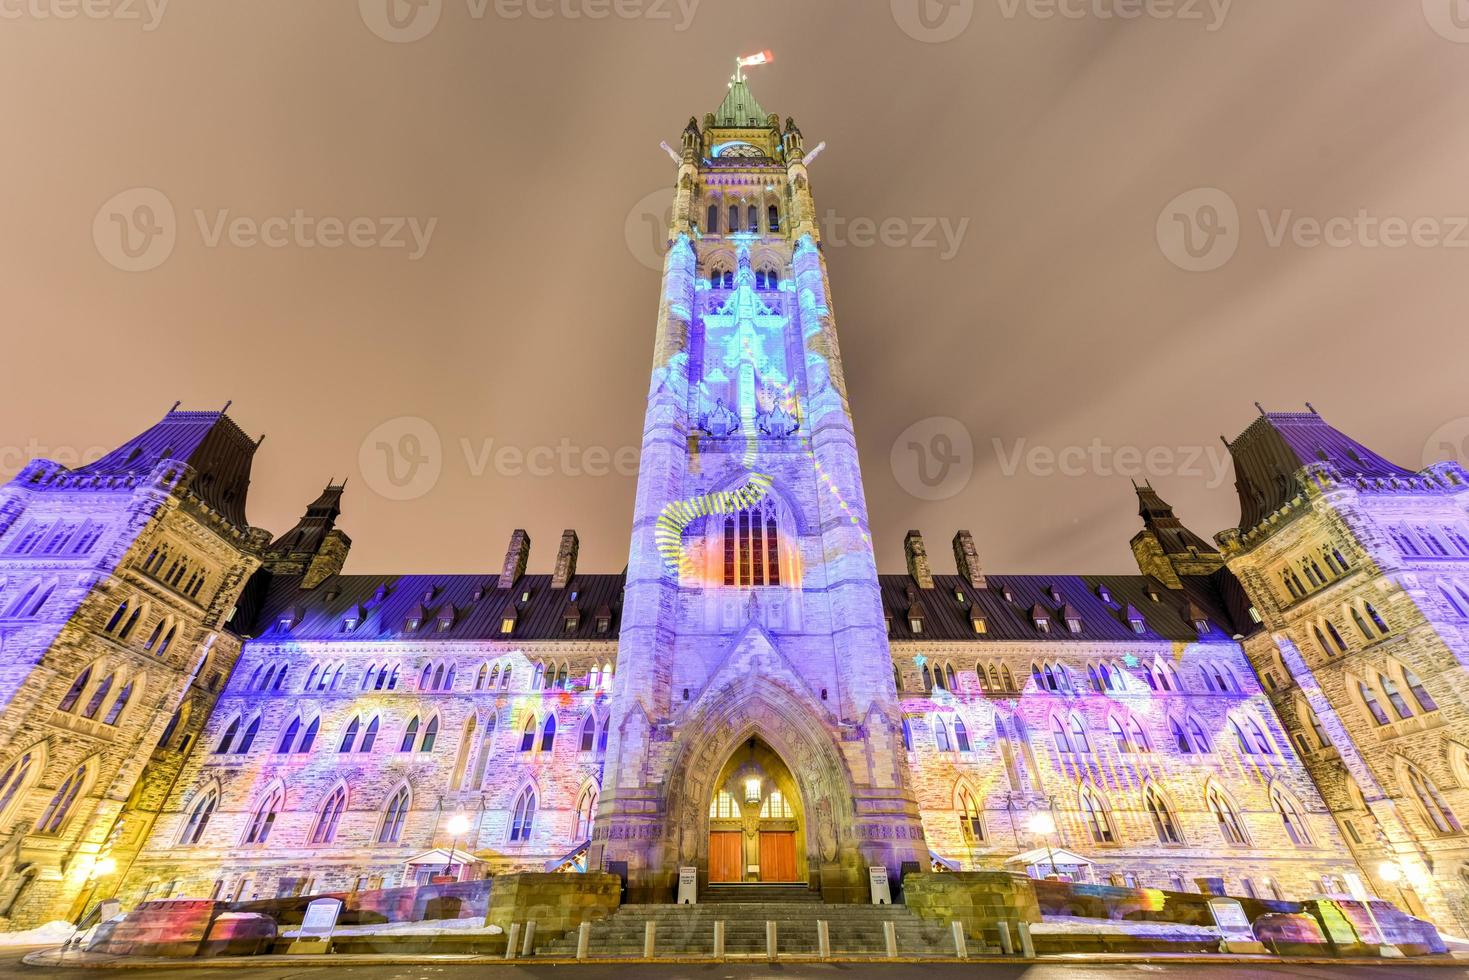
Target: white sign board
[(1230, 917), (877, 876), (688, 886), (321, 917)]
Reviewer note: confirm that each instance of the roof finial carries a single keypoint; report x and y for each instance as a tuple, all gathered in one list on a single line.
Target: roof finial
[(259, 441), (175, 406), (1224, 440), (226, 406), (1260, 407), (1312, 409)]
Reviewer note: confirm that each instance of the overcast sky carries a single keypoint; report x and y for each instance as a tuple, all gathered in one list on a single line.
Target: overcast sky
[(1084, 244)]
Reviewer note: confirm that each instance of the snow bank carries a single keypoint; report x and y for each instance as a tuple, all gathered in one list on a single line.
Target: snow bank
[(1070, 925), (434, 927), (51, 934)]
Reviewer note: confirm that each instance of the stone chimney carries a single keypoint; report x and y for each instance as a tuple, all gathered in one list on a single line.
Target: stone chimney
[(966, 559), (918, 560), (328, 560), (565, 560), (516, 557)]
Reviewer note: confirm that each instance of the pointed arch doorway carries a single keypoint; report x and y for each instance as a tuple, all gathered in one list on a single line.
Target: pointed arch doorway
[(756, 825)]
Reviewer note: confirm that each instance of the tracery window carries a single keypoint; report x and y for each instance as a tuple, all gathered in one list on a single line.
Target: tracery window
[(752, 546)]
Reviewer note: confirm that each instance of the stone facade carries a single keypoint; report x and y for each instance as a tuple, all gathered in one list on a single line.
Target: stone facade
[(750, 698)]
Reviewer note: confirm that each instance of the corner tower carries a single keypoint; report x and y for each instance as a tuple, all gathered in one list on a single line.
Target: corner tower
[(753, 656)]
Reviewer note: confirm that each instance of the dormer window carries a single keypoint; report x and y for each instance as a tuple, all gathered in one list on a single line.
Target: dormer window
[(1255, 615), (976, 620), (1201, 626), (1008, 595), (1154, 596), (1104, 593), (915, 617), (1073, 624), (289, 618), (1135, 620), (428, 595), (382, 593), (446, 619), (1040, 618), (572, 597), (604, 619), (572, 619), (508, 620), (887, 615), (412, 623), (525, 596), (478, 594), (1055, 595), (959, 595), (351, 619)]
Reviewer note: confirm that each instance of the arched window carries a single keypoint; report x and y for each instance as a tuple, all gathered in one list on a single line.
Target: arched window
[(724, 807), (264, 817), (309, 738), (734, 217), (1369, 700), (971, 820), (248, 739), (410, 736), (907, 736), (199, 818), (1180, 737), (548, 734), (1394, 696), (1197, 736), (940, 735), (1058, 735), (586, 811), (776, 807), (369, 736), (1420, 694), (1094, 814), (15, 777), (752, 546), (1376, 619), (430, 735), (53, 818), (1431, 804), (713, 220), (75, 691), (961, 735), (1290, 817), (394, 815), (602, 735), (523, 816), (1119, 734), (588, 739), (752, 216), (228, 738), (122, 610), (528, 735), (1079, 742), (328, 816), (288, 737), (1231, 828), (1164, 823), (772, 219), (349, 737), (94, 704), (1336, 638), (1140, 740)]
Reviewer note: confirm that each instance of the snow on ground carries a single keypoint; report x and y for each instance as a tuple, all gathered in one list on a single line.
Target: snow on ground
[(1075, 925), (51, 934), (433, 927)]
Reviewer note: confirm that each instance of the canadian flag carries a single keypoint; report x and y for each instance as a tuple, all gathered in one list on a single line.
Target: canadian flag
[(763, 58)]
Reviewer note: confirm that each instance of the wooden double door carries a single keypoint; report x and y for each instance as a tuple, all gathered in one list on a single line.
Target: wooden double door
[(777, 856)]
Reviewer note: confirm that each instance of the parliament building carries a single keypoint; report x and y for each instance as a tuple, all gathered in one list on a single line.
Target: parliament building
[(197, 707)]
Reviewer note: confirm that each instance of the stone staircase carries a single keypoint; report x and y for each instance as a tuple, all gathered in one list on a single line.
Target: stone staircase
[(688, 930), (759, 894)]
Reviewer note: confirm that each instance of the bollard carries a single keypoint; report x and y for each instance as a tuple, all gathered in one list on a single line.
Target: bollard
[(1027, 947), (823, 939), (770, 941), (512, 940), (890, 933), (528, 940), (1006, 946), (719, 939), (583, 940), (650, 939), (961, 948)]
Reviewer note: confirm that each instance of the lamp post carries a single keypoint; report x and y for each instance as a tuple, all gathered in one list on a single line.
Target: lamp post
[(457, 825), (1392, 873), (1043, 824)]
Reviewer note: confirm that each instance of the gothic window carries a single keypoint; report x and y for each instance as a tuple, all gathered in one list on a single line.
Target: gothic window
[(15, 777), (588, 739), (1377, 620), (1231, 828), (369, 736), (53, 818), (1119, 734), (1180, 737), (713, 220), (329, 816), (1094, 814), (227, 740), (394, 816), (1058, 735), (1370, 702), (199, 818), (602, 735), (410, 736), (1079, 742), (907, 735), (523, 816), (940, 735), (1290, 817), (1321, 641), (772, 219), (349, 737), (1394, 696), (949, 677), (961, 736), (122, 610), (752, 216), (548, 734), (1362, 626), (528, 735), (752, 547), (776, 807), (1431, 804), (1341, 644), (1140, 740), (288, 737), (586, 811), (264, 817), (248, 739), (724, 807), (971, 821), (1420, 694), (1197, 736), (430, 735), (1164, 823), (75, 691), (734, 217)]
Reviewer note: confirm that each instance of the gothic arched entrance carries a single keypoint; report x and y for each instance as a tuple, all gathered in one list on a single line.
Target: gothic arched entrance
[(756, 819)]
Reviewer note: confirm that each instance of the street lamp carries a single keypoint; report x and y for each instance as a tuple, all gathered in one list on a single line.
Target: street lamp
[(1044, 825), (1392, 873), (457, 825)]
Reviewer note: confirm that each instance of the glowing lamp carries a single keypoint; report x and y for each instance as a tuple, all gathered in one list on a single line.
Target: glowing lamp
[(458, 824), (1390, 872), (752, 789), (104, 867), (1041, 823)]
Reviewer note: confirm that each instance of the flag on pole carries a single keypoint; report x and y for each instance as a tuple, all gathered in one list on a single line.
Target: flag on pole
[(762, 58)]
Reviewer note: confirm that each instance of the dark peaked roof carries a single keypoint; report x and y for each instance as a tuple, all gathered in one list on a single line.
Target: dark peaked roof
[(318, 521), (1103, 619), (1269, 453), (1158, 517), (472, 603), (209, 442)]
